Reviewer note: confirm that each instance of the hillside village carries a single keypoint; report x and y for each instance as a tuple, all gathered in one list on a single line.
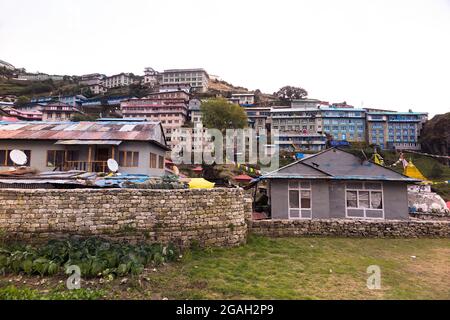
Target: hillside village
[(92, 156)]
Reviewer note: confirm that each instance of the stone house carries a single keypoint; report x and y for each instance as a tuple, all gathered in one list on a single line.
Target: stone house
[(337, 184), (138, 146)]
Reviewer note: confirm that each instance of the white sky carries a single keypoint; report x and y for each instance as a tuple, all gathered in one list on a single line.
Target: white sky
[(386, 54)]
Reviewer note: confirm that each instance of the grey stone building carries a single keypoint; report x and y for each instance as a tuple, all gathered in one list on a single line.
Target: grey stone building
[(337, 184)]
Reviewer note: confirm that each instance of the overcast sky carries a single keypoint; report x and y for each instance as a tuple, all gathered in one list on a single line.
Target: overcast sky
[(386, 54)]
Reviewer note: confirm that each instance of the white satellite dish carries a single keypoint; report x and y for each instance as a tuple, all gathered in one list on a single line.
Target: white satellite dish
[(18, 157), (113, 166)]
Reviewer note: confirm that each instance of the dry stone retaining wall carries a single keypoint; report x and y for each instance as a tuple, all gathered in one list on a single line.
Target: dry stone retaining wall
[(352, 228), (214, 217)]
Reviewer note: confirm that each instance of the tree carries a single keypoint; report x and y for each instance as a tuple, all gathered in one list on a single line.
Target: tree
[(83, 117), (289, 93), (21, 101), (220, 114), (436, 171)]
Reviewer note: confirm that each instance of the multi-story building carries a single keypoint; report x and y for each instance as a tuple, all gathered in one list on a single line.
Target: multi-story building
[(306, 142), (98, 88), (75, 100), (198, 79), (170, 108), (26, 113), (118, 80), (344, 123), (91, 79), (186, 87), (395, 130), (39, 77), (299, 126), (150, 77), (243, 99), (59, 111), (259, 117)]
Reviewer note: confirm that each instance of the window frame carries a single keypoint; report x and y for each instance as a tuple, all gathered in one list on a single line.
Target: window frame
[(125, 156), (300, 189), (55, 165), (365, 189), (7, 160)]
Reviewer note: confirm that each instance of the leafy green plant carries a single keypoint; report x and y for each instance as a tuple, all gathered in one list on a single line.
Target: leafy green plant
[(14, 293), (95, 257)]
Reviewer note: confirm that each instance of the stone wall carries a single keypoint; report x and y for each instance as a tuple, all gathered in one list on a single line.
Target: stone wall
[(441, 216), (351, 228), (215, 217)]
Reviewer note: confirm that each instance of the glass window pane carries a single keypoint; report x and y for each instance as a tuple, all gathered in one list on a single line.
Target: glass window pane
[(293, 184), (354, 185), (50, 158), (129, 159), (373, 186), (306, 214), (122, 158), (306, 199), (363, 199), (305, 185), (376, 201), (294, 214), (352, 199), (135, 159), (293, 199)]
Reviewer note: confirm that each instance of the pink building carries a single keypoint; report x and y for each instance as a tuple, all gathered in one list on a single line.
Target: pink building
[(170, 108)]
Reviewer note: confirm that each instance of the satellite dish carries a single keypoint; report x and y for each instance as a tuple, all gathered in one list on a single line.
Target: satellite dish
[(18, 157), (113, 166)]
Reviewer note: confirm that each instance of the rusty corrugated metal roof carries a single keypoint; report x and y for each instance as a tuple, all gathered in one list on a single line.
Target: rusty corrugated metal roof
[(114, 130)]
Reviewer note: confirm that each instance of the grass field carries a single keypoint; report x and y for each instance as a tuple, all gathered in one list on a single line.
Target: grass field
[(286, 268)]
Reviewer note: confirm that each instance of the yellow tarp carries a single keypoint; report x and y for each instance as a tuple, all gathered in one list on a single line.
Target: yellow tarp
[(200, 183), (412, 172)]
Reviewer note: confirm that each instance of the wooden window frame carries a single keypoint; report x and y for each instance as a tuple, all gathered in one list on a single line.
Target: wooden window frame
[(8, 162), (54, 157), (161, 162), (125, 158), (153, 159)]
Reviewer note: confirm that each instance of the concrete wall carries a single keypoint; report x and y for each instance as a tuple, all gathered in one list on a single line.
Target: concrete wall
[(39, 150), (328, 199), (214, 217)]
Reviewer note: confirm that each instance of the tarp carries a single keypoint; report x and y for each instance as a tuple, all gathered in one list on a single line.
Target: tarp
[(200, 183)]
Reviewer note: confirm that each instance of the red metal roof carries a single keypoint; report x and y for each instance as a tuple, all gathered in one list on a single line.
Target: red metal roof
[(243, 177), (114, 130)]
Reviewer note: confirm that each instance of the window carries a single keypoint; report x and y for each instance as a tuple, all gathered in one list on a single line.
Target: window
[(5, 160), (161, 162), (299, 199), (364, 200), (152, 160), (55, 158), (128, 158)]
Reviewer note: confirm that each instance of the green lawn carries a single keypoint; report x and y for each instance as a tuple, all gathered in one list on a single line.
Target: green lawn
[(290, 268)]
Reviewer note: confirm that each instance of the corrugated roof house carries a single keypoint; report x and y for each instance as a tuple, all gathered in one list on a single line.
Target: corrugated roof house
[(139, 147), (337, 184)]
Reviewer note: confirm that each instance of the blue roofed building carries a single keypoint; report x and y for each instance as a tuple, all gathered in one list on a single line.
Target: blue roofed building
[(344, 124), (395, 130)]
